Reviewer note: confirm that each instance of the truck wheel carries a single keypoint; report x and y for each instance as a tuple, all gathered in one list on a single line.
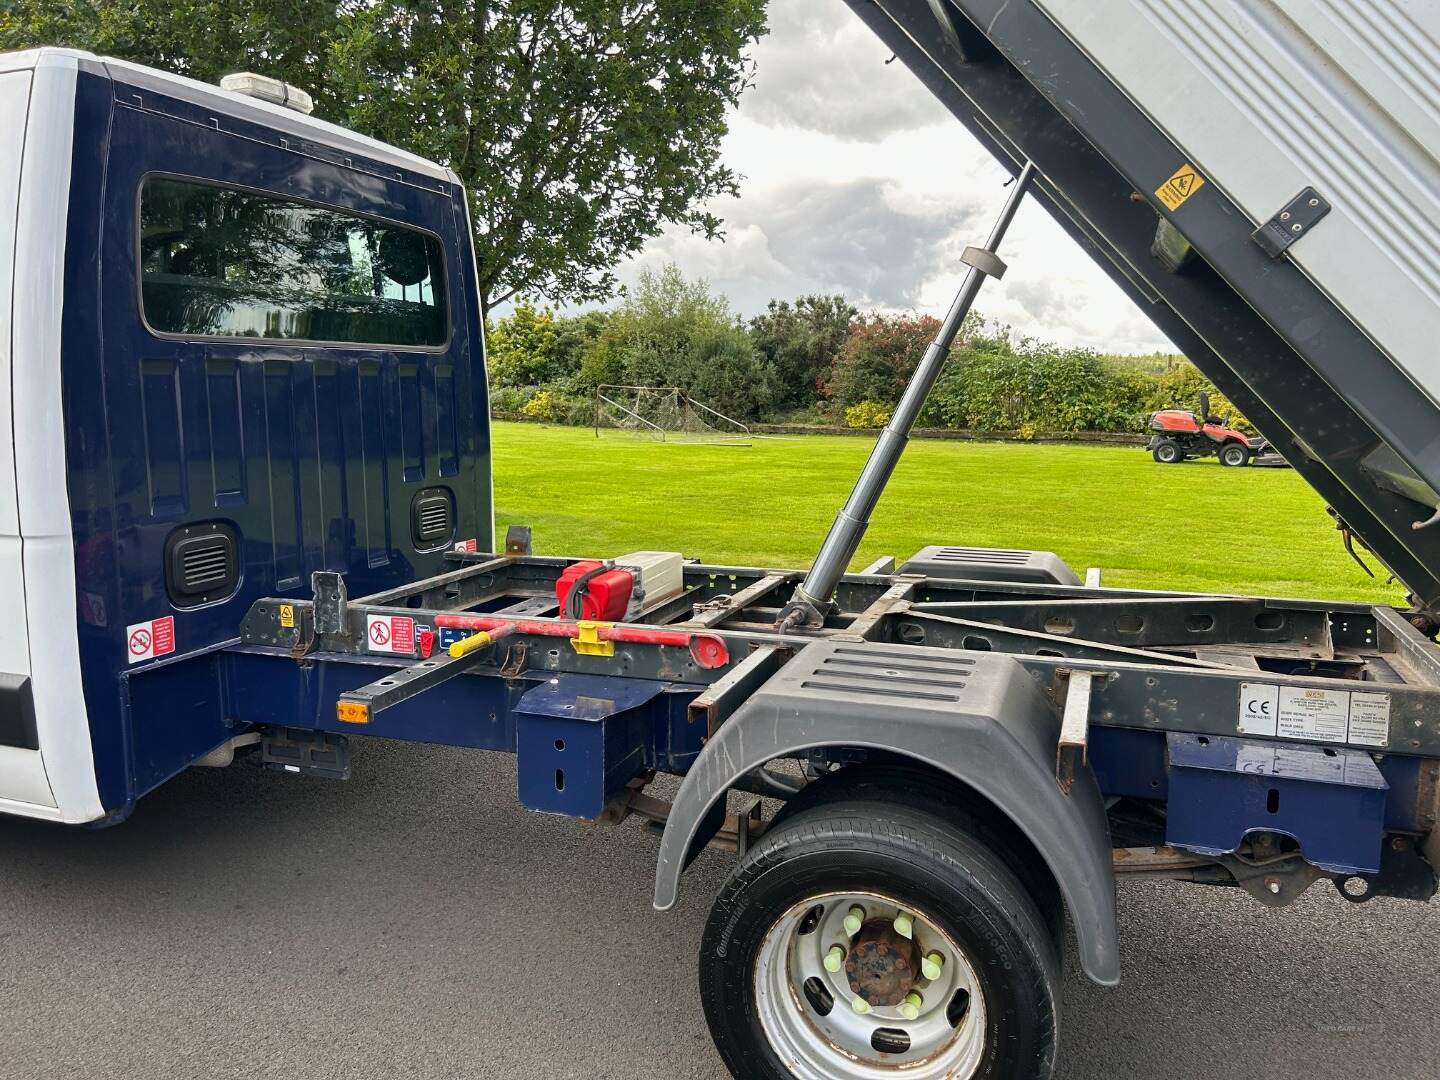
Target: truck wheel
[(1167, 452), (922, 790), (1233, 455), (864, 939)]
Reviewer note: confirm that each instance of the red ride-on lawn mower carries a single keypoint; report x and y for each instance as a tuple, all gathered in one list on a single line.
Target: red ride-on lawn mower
[(1180, 434)]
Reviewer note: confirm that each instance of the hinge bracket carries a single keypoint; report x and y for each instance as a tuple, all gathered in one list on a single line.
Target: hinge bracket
[(1294, 220)]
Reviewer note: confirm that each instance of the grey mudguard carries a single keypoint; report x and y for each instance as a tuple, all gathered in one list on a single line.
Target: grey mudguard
[(979, 717)]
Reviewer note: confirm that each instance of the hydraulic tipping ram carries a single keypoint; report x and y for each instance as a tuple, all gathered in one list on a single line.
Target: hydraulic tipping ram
[(814, 598)]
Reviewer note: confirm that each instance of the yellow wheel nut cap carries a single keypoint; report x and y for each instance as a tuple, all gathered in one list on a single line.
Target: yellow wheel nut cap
[(860, 1005), (904, 925), (931, 965), (835, 958), (854, 921)]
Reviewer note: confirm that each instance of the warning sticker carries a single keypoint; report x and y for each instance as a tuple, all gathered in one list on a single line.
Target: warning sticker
[(1183, 183), (287, 615), (147, 640), (1370, 718), (390, 633), (467, 546), (1291, 712)]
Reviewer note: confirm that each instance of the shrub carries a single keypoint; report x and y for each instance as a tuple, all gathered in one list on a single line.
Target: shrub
[(799, 343), (543, 406), (508, 400), (867, 414), (723, 371), (878, 357)]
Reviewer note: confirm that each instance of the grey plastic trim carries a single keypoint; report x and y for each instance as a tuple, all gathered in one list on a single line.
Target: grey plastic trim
[(1005, 749)]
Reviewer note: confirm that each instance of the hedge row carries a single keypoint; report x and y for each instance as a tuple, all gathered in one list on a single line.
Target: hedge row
[(818, 361)]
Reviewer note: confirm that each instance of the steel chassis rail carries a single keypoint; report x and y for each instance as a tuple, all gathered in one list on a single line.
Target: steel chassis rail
[(1163, 661)]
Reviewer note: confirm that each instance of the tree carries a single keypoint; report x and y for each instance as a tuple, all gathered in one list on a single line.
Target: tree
[(722, 370), (798, 344), (673, 332), (648, 336), (523, 350), (580, 127), (575, 337), (203, 39)]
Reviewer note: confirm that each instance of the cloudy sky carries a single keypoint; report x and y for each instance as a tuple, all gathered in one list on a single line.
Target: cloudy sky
[(858, 181)]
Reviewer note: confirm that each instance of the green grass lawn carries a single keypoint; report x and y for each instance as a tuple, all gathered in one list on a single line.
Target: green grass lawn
[(1194, 526)]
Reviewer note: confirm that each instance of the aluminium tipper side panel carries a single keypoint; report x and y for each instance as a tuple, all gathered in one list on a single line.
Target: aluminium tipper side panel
[(1262, 328), (1268, 97)]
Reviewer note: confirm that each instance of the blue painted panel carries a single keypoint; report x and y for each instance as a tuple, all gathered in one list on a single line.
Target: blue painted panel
[(1331, 801), (299, 448), (1129, 763)]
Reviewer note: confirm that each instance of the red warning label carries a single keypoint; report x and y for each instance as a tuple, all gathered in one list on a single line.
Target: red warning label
[(147, 640), (390, 633)]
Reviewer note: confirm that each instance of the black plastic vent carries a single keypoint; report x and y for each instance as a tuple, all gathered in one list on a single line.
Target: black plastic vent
[(201, 564), (432, 518), (17, 712)]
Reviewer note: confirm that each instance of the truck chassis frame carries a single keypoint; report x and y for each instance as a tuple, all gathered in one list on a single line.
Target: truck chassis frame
[(1133, 679)]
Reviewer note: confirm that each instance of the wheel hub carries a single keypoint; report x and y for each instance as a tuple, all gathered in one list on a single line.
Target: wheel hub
[(881, 964)]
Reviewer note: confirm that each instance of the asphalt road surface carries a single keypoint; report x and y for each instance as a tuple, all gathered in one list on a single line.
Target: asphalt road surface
[(415, 922)]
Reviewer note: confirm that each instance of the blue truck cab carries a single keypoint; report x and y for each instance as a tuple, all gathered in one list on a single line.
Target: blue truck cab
[(237, 345)]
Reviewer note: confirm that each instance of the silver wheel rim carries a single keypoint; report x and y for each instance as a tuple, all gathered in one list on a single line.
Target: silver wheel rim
[(1168, 453), (839, 1044)]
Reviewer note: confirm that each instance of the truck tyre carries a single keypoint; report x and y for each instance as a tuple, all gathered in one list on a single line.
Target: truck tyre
[(1233, 455), (864, 938), (1168, 452), (905, 784)]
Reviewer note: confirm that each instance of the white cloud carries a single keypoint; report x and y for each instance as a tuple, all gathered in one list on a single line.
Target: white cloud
[(858, 181)]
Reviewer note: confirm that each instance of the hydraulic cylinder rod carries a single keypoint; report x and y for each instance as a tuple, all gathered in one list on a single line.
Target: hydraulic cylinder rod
[(815, 594)]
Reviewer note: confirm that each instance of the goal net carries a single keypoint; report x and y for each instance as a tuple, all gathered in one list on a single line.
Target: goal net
[(665, 414)]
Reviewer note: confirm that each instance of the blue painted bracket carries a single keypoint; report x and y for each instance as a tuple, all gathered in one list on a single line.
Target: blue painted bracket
[(1331, 801), (579, 739)]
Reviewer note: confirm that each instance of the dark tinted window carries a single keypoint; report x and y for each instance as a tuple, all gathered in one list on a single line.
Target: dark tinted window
[(219, 262)]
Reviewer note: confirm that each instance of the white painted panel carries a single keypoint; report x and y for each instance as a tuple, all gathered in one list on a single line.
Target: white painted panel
[(1269, 96), (14, 643), (48, 547), (22, 777)]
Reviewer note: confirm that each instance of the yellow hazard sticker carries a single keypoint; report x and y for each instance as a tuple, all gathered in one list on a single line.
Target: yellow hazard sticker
[(287, 615), (1183, 183)]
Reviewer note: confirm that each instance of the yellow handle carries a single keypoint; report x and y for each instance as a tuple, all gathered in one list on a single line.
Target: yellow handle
[(468, 645)]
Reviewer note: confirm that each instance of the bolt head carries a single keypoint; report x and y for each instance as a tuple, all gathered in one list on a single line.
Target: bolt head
[(1295, 228), (1273, 886)]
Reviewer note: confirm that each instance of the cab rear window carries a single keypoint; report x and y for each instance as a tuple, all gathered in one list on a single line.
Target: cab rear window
[(223, 262)]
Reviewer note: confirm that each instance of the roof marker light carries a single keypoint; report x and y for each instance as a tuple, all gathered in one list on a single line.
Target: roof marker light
[(268, 89)]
